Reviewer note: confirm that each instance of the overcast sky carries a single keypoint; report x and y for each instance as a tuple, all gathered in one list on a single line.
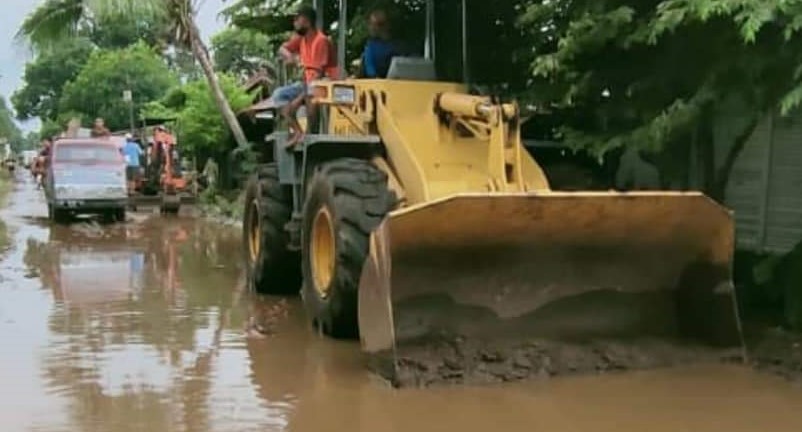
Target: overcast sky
[(13, 56)]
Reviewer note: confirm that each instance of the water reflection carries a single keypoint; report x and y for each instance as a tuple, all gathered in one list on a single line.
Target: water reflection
[(147, 329), (141, 313)]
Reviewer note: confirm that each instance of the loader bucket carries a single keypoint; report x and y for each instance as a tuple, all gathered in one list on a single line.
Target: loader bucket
[(553, 266)]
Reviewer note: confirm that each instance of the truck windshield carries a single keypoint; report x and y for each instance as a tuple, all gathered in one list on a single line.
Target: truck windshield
[(86, 153)]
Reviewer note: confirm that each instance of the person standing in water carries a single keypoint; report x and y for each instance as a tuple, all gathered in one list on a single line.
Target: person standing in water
[(133, 153)]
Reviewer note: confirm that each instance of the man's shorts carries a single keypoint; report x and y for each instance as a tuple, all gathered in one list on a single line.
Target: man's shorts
[(132, 173), (288, 93)]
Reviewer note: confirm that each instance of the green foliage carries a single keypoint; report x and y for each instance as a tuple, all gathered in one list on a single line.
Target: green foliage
[(172, 19), (30, 141), (9, 129), (119, 30), (109, 23), (51, 22), (775, 286), (200, 126), (6, 185), (208, 196), (182, 62), (220, 206), (623, 73), (764, 271), (233, 48), (50, 128), (45, 77), (157, 110), (792, 293), (66, 33), (271, 17), (98, 89)]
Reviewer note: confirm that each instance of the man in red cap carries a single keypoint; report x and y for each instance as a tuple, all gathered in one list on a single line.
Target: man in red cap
[(317, 58)]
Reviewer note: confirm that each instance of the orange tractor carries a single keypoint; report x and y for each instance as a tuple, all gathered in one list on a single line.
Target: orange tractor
[(164, 182)]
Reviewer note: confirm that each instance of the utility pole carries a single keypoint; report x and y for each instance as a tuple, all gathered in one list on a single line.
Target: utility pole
[(128, 97)]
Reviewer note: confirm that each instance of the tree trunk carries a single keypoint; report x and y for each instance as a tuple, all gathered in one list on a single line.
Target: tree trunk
[(704, 138), (202, 55), (723, 174)]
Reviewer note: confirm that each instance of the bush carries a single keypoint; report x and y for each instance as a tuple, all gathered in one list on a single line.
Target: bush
[(772, 285), (790, 279)]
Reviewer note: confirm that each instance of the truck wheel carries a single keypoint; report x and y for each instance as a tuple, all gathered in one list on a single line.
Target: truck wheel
[(169, 209), (271, 267), (57, 215), (346, 200)]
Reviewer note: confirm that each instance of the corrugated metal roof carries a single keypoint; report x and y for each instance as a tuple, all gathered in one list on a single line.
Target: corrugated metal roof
[(747, 180), (765, 186), (784, 215)]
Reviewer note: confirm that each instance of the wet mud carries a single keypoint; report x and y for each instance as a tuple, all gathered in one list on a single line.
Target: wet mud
[(777, 352), (454, 360), (450, 360)]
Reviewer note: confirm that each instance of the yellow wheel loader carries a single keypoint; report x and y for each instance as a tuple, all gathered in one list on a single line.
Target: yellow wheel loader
[(414, 211)]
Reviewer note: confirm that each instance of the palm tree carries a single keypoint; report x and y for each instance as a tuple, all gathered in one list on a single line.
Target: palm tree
[(56, 19)]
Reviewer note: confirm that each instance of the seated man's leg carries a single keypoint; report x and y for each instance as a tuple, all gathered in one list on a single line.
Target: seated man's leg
[(312, 111), (290, 112), (286, 94), (283, 97)]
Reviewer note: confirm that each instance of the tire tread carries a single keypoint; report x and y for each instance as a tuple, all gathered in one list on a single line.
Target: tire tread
[(278, 271), (361, 199)]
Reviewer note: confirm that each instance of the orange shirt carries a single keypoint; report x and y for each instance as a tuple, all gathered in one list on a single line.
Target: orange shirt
[(317, 54)]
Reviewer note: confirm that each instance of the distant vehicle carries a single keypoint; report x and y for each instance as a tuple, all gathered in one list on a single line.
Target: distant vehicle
[(86, 175), (9, 161), (10, 164)]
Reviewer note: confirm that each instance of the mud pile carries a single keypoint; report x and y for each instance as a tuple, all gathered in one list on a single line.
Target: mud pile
[(456, 360), (778, 352)]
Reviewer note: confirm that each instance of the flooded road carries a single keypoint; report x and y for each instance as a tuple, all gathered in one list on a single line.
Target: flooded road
[(144, 326)]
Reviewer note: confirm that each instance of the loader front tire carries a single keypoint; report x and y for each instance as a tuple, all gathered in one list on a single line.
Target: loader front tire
[(271, 267), (346, 200)]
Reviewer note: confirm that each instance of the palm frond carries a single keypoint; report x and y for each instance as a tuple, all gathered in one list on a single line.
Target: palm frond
[(181, 15), (56, 19), (51, 22), (138, 8)]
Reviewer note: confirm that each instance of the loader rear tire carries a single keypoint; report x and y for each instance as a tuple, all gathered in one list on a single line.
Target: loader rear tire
[(346, 200), (271, 267)]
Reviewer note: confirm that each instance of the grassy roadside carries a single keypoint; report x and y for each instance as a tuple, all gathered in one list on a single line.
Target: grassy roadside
[(6, 183), (227, 208)]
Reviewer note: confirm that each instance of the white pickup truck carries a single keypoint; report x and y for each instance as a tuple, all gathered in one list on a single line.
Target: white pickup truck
[(86, 175)]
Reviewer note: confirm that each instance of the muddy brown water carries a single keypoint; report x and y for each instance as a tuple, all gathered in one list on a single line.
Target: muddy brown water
[(142, 326)]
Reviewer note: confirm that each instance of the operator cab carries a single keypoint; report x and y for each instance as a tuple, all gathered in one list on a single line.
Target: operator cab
[(412, 69), (402, 68), (409, 68)]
